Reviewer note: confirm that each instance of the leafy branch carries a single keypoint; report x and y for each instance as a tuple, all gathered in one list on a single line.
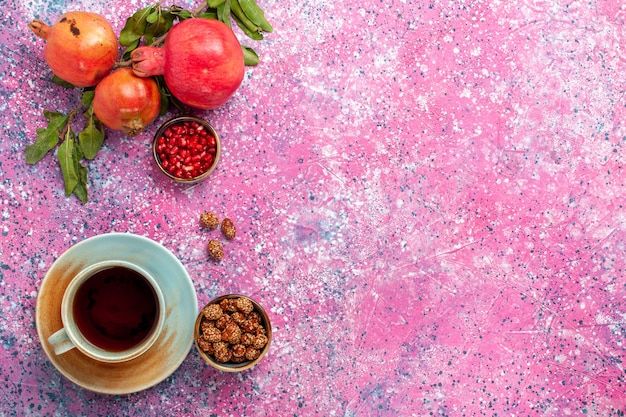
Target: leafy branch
[(71, 150)]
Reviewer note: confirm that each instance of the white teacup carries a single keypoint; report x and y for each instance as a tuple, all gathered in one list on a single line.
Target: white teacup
[(112, 311)]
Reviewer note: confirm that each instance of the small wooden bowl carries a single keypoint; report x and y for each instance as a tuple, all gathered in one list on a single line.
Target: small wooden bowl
[(229, 366)]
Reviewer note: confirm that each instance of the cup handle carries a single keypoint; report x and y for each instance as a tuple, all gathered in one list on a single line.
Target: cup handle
[(60, 342)]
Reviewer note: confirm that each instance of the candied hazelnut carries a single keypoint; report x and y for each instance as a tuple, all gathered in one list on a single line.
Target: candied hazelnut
[(204, 344), (255, 317), (259, 341), (222, 354), (212, 311), (228, 228), (206, 324), (252, 353), (239, 351), (249, 326), (216, 251), (237, 359), (223, 321), (209, 220), (210, 350), (220, 345), (232, 333), (252, 327), (212, 334), (238, 317), (229, 305), (244, 305), (247, 339), (260, 330)]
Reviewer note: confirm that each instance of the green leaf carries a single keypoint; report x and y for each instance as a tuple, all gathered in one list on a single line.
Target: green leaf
[(167, 98), (252, 34), (181, 13), (80, 190), (68, 162), (255, 14), (47, 138), (163, 25), (208, 15), (129, 49), (90, 139), (87, 97), (153, 17), (59, 81), (249, 56), (135, 26), (160, 27), (223, 13), (128, 37), (214, 4), (242, 20)]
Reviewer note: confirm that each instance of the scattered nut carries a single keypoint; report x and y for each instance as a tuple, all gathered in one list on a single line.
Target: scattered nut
[(232, 331), (209, 220), (216, 251), (228, 228)]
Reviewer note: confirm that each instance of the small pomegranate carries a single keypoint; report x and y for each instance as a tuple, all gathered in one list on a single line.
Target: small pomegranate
[(125, 102), (201, 62), (81, 47)]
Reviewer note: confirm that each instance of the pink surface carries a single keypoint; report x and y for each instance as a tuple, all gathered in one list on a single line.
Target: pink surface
[(429, 200)]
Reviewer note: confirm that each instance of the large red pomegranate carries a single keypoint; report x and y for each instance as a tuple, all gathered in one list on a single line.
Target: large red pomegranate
[(201, 62), (81, 47), (125, 102)]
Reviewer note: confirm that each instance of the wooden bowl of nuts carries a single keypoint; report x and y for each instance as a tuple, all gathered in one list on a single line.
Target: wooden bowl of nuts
[(233, 333), (186, 149)]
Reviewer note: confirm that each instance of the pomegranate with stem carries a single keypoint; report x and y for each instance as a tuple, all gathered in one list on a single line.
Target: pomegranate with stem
[(81, 47), (201, 62), (123, 101)]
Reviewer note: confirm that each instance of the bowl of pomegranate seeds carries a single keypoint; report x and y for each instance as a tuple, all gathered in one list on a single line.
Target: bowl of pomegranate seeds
[(233, 333), (186, 149)]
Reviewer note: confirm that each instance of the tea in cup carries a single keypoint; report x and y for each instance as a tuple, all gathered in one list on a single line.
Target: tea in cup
[(111, 311)]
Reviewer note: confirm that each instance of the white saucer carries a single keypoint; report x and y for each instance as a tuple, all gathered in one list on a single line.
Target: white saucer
[(181, 308)]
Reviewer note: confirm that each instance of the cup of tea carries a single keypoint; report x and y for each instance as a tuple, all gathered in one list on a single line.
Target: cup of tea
[(112, 311)]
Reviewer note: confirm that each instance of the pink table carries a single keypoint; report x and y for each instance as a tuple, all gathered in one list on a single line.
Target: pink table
[(429, 199)]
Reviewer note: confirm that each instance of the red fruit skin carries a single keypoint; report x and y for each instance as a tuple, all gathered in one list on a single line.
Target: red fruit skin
[(81, 47), (125, 102), (201, 61)]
